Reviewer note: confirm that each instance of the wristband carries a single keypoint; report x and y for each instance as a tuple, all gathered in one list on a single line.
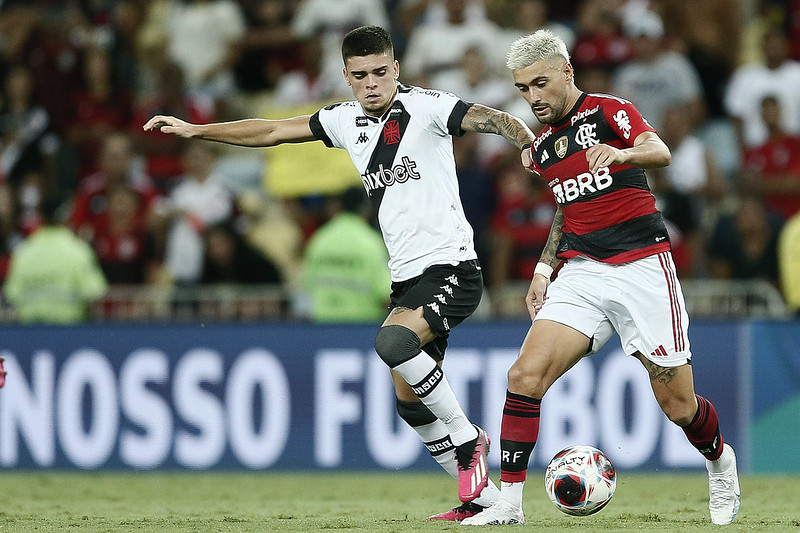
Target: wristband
[(543, 269)]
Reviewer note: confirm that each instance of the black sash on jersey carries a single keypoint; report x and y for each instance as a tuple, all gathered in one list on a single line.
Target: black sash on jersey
[(395, 122)]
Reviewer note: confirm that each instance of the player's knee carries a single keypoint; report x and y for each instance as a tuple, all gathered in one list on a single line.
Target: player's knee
[(526, 381), (678, 411), (396, 344), (415, 414)]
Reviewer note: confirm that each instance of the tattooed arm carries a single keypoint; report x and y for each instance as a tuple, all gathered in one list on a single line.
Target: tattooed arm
[(538, 288), (484, 119), (548, 256)]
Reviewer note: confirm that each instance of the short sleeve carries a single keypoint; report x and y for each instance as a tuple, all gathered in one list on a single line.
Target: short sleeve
[(457, 117), (445, 111), (625, 120), (325, 123)]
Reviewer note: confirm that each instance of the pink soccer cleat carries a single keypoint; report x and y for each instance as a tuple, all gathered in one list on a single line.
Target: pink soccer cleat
[(457, 514), (473, 471)]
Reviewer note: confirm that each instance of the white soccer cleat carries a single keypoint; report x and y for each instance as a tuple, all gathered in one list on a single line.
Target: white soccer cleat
[(500, 513), (723, 489)]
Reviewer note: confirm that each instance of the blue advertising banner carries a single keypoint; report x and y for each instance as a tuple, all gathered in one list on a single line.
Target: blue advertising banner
[(296, 396), (775, 402)]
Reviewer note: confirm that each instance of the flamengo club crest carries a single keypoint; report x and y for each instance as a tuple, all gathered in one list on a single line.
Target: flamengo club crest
[(587, 136), (561, 145)]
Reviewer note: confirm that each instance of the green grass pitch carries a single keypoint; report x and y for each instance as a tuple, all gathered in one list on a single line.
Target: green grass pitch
[(362, 502)]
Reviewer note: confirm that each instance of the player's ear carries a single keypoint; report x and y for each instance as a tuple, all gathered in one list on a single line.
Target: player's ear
[(396, 69), (346, 79), (569, 72)]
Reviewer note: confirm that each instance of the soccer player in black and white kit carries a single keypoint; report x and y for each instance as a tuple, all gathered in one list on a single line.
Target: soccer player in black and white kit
[(618, 274), (400, 140)]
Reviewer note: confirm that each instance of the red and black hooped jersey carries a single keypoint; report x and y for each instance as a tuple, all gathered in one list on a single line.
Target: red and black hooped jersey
[(609, 215)]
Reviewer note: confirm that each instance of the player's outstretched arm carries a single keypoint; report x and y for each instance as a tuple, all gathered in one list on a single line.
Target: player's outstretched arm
[(253, 132), (485, 119)]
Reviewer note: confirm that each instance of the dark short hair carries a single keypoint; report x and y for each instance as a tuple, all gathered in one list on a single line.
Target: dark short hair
[(365, 41)]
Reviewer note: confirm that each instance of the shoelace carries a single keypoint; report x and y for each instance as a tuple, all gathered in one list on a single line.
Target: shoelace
[(721, 491)]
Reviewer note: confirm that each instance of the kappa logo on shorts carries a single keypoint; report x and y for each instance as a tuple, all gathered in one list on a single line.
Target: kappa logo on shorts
[(448, 289), (441, 298), (452, 279), (435, 307), (659, 352), (445, 324)]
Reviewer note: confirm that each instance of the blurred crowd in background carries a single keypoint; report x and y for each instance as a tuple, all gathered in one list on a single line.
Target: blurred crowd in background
[(719, 79)]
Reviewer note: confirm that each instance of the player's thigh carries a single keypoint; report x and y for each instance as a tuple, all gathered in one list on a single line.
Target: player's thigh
[(413, 319), (646, 305), (673, 388), (550, 349)]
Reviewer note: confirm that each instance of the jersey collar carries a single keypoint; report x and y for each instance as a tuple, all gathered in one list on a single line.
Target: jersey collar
[(572, 111)]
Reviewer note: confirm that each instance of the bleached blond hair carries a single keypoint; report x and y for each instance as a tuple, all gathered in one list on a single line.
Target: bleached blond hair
[(541, 45)]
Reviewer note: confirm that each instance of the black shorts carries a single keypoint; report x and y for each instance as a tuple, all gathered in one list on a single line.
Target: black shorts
[(448, 294)]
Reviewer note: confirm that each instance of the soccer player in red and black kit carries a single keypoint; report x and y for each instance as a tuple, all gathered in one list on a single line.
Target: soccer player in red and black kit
[(618, 275)]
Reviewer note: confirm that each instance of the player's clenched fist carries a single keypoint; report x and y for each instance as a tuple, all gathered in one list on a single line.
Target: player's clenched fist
[(529, 162), (172, 125), (603, 155)]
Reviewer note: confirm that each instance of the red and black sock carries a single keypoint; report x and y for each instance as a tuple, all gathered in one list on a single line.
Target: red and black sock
[(703, 431), (518, 434)]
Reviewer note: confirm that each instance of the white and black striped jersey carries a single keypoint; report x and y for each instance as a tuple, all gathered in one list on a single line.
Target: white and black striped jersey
[(406, 163)]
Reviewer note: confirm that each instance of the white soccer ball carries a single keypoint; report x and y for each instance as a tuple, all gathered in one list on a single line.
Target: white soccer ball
[(580, 480)]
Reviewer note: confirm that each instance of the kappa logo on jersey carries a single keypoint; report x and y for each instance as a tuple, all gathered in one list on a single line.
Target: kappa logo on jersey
[(571, 189), (561, 145), (385, 177), (362, 138), (391, 132), (623, 123), (586, 135)]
